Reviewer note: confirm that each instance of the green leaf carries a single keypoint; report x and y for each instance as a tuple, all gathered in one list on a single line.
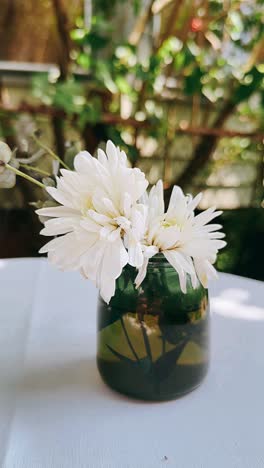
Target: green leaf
[(90, 114), (163, 367), (136, 6), (193, 82), (144, 364), (123, 85), (179, 61), (141, 72), (84, 60), (132, 153), (96, 41), (78, 35), (121, 356), (154, 63), (103, 74), (244, 91), (108, 317), (183, 58)]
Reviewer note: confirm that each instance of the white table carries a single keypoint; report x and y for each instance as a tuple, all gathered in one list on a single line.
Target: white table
[(56, 413)]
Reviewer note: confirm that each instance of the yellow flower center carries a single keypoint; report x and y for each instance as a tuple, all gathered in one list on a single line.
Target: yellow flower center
[(87, 205), (171, 222)]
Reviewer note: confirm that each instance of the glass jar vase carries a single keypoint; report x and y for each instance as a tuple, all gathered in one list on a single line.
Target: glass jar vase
[(153, 341)]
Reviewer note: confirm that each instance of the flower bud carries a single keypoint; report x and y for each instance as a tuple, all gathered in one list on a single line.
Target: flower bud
[(5, 155)]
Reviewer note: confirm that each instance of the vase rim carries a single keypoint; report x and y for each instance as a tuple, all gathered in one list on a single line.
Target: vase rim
[(159, 260)]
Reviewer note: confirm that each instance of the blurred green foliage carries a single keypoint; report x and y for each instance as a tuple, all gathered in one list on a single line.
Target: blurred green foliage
[(213, 54), (244, 254)]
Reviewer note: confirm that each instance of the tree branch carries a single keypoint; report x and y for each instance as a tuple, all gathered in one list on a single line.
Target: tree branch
[(114, 119), (204, 149), (171, 21), (159, 5), (42, 109), (62, 24), (58, 131), (220, 132), (140, 25)]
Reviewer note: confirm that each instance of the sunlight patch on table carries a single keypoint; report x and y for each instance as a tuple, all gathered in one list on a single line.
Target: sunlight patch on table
[(235, 303)]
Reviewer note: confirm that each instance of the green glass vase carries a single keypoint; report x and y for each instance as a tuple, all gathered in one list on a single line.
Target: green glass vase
[(153, 341)]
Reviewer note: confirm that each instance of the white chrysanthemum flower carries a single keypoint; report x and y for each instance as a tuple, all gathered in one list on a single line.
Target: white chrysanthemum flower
[(100, 222), (5, 155), (187, 242), (7, 177)]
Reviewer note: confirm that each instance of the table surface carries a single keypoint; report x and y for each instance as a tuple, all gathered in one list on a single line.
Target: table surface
[(55, 412)]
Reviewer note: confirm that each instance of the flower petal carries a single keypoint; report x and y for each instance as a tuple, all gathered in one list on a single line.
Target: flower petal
[(99, 218), (114, 259), (57, 212), (177, 206), (111, 152), (195, 202), (135, 254), (141, 273), (57, 226), (60, 197), (102, 157), (5, 153), (84, 162), (156, 200), (176, 261), (205, 271), (206, 216), (65, 251)]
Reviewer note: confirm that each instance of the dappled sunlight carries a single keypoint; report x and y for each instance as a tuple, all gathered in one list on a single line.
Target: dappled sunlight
[(235, 303), (226, 198)]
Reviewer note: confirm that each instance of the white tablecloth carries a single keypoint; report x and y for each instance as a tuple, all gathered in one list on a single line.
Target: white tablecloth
[(56, 413)]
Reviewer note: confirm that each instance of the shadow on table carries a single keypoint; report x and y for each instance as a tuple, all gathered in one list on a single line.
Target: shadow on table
[(80, 378)]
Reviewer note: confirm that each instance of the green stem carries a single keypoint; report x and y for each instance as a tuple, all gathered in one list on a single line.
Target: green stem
[(35, 169), (25, 176), (163, 345), (50, 152), (128, 339), (145, 337)]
